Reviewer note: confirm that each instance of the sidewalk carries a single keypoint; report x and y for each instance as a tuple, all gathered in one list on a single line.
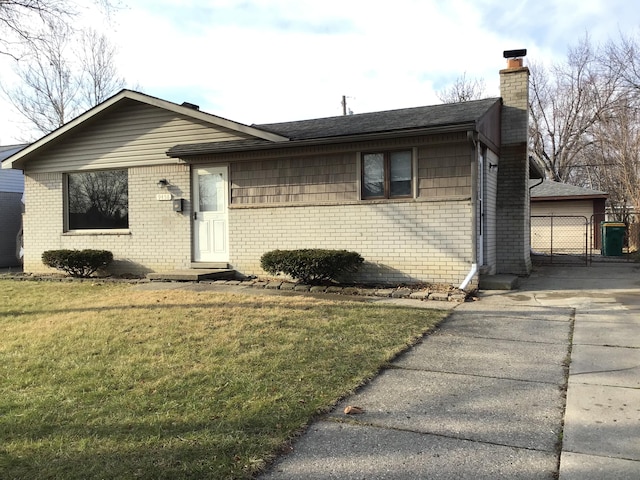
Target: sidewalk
[(484, 396)]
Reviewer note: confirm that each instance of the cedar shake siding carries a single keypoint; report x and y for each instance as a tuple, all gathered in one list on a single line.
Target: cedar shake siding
[(314, 179)]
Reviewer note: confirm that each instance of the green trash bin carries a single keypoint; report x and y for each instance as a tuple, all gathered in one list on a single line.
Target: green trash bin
[(612, 238)]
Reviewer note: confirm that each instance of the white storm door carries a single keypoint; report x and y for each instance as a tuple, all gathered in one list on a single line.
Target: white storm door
[(210, 216)]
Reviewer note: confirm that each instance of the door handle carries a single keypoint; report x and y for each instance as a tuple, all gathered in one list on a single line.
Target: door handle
[(195, 215)]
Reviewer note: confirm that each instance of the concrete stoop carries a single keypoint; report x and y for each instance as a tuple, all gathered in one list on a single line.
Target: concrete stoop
[(499, 282), (193, 275)]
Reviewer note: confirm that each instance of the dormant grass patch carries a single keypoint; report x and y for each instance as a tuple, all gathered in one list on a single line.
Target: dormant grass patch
[(106, 381)]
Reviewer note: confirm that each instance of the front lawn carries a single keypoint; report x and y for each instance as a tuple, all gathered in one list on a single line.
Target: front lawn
[(103, 381)]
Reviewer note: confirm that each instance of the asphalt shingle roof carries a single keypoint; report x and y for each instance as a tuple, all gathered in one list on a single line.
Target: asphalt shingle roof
[(450, 114), (549, 188), (385, 121)]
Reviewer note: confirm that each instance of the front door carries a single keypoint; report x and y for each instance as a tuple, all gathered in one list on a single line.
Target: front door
[(210, 222)]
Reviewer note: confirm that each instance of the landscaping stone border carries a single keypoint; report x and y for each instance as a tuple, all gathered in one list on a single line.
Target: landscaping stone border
[(416, 293), (440, 293)]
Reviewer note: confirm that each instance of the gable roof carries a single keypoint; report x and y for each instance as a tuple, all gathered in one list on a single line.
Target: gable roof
[(18, 159), (550, 190), (445, 117)]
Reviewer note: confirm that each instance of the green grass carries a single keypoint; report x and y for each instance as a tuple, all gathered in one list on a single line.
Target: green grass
[(101, 381)]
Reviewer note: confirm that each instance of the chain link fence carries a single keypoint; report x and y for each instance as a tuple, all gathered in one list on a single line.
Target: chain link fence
[(576, 240)]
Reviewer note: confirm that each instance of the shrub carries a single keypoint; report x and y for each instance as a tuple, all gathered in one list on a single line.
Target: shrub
[(311, 265), (77, 263)]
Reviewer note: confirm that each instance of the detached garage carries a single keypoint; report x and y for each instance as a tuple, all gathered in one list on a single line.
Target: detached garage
[(565, 216)]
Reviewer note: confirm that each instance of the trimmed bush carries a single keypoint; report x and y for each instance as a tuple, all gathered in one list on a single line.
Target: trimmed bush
[(77, 263), (311, 265)]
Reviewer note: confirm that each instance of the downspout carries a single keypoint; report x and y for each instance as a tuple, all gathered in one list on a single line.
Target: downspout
[(469, 277), (472, 136)]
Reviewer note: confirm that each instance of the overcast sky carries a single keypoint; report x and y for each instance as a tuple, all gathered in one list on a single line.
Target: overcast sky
[(263, 61)]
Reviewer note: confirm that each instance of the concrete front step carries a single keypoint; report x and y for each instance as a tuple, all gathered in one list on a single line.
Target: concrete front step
[(193, 275), (210, 265), (499, 282)]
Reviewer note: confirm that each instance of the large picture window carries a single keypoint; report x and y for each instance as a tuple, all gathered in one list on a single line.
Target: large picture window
[(386, 174), (98, 200)]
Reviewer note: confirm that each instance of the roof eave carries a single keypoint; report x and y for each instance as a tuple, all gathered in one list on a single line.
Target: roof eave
[(177, 152), (569, 197)]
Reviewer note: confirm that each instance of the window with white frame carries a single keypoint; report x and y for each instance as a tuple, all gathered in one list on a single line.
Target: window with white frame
[(386, 174), (97, 200)]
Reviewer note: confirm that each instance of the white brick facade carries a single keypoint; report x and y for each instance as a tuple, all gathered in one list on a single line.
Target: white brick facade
[(157, 239), (404, 242)]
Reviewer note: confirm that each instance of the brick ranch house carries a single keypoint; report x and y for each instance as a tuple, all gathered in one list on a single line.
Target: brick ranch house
[(429, 194)]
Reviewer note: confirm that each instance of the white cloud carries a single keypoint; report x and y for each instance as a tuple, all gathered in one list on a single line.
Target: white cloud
[(259, 61)]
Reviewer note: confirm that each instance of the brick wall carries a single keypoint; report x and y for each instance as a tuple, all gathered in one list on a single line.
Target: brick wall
[(158, 238), (10, 221), (401, 242), (513, 249)]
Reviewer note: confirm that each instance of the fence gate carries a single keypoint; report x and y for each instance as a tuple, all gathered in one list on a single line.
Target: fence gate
[(576, 240), (560, 239)]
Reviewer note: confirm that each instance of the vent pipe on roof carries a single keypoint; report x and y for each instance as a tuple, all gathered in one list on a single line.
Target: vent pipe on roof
[(192, 106)]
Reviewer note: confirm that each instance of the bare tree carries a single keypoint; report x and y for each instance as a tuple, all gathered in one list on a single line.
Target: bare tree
[(21, 21), (565, 103), (47, 92), (463, 90), (101, 79), (59, 80)]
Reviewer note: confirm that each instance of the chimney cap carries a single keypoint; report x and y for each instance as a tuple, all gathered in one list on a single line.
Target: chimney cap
[(514, 53)]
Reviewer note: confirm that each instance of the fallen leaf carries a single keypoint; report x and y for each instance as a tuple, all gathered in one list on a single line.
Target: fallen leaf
[(351, 410)]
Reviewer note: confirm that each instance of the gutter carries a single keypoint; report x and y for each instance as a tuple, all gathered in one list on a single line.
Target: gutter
[(191, 150)]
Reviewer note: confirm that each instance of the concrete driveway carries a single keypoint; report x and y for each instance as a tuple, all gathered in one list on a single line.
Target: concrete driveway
[(602, 419), (538, 383)]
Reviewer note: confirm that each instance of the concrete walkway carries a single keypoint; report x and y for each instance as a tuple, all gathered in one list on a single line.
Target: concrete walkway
[(602, 419), (484, 396)]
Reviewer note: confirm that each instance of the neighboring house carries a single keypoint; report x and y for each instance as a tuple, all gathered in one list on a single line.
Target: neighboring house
[(577, 212), (11, 191), (417, 191)]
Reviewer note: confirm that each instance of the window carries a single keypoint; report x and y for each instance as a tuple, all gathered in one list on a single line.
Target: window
[(386, 175), (98, 200)]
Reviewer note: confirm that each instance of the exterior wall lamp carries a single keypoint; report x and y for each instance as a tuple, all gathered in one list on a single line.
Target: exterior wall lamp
[(162, 183), (493, 165)]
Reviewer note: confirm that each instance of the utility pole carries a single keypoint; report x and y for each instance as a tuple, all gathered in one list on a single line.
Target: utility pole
[(345, 110)]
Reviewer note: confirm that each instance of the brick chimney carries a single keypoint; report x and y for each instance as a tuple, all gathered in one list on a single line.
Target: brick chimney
[(513, 210)]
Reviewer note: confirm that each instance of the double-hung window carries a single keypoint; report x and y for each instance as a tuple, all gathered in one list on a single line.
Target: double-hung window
[(97, 200), (386, 175)]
